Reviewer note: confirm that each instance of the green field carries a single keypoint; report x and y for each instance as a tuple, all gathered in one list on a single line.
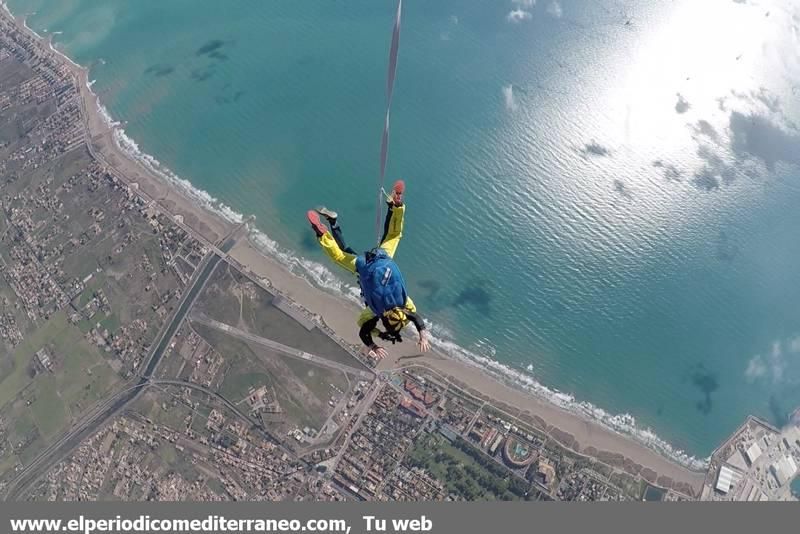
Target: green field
[(7, 459), (162, 408), (25, 431), (48, 409), (168, 453), (51, 332), (300, 404), (110, 323), (237, 383), (472, 476), (80, 377), (215, 485), (97, 281), (218, 300)]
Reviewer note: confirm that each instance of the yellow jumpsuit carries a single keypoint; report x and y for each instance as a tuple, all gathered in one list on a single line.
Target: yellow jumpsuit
[(389, 244)]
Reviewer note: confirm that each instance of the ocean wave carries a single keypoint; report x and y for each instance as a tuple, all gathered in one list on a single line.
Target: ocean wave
[(484, 354)]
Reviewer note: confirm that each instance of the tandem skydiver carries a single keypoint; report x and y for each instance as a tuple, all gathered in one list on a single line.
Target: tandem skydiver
[(382, 284)]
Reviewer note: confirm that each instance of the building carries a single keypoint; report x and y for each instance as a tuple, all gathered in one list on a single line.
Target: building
[(753, 453), (545, 473), (488, 436), (412, 407), (497, 441), (518, 454), (784, 470), (44, 359), (727, 477)]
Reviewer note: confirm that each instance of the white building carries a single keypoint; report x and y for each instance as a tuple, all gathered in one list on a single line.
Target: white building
[(784, 470), (753, 453), (727, 477)]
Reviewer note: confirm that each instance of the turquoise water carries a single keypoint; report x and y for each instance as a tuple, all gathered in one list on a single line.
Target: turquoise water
[(602, 196)]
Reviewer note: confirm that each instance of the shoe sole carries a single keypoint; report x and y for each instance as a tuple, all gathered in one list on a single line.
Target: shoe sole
[(328, 214), (316, 224)]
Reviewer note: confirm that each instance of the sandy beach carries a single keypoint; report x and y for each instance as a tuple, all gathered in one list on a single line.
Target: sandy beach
[(573, 430)]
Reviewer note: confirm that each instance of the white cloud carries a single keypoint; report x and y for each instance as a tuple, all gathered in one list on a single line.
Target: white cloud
[(755, 368), (524, 3), (518, 15), (776, 363), (555, 9), (773, 365), (508, 97)]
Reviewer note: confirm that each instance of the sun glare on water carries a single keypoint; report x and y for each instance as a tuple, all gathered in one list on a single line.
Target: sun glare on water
[(686, 63)]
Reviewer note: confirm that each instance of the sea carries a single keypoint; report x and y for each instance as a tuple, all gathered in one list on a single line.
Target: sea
[(603, 196)]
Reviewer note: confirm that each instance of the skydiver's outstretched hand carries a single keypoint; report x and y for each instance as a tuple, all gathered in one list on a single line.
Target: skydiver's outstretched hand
[(423, 343), (378, 352)]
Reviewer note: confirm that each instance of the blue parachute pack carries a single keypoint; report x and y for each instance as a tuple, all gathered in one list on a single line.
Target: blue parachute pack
[(382, 285)]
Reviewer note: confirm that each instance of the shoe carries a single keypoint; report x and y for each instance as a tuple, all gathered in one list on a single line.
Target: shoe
[(319, 228), (328, 214), (398, 189)]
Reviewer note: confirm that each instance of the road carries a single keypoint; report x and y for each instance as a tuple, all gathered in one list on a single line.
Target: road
[(64, 445), (360, 412), (279, 347)]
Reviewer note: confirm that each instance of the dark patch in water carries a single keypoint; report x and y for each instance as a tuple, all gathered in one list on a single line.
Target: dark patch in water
[(309, 242), (431, 286), (211, 46), (219, 56), (224, 99), (670, 171), (706, 382), (779, 416), (757, 136), (622, 189), (595, 149), (705, 179), (715, 170), (726, 251), (660, 411), (432, 296), (475, 295), (704, 127), (160, 70), (201, 75), (682, 106)]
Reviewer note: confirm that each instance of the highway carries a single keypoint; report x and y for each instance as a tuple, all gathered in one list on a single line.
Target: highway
[(279, 347)]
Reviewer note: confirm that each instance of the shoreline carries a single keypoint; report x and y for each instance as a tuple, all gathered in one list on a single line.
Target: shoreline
[(210, 220)]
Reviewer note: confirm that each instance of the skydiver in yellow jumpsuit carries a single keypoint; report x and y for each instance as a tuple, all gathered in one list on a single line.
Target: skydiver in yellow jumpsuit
[(334, 247)]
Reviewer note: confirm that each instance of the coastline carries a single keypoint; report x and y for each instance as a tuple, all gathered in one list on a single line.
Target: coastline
[(213, 222)]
